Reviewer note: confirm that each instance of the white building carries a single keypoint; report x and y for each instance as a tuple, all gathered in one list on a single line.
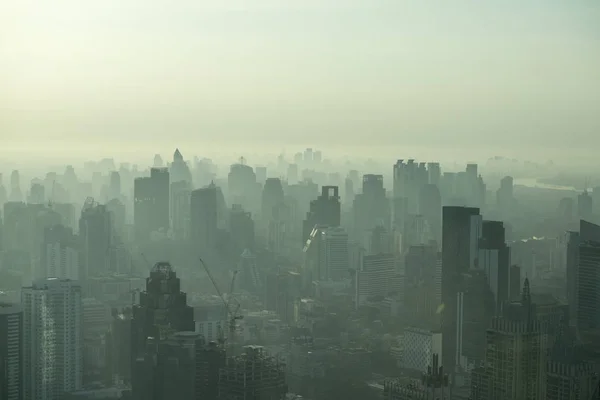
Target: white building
[(419, 347), (53, 338)]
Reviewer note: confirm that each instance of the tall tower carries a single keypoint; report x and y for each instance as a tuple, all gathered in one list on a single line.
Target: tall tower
[(11, 352), (494, 260), (204, 217), (460, 237), (53, 338), (96, 232), (162, 310), (151, 203), (60, 254), (516, 353), (324, 211)]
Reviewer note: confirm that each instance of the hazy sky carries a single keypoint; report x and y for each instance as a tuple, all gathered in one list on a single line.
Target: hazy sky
[(104, 74)]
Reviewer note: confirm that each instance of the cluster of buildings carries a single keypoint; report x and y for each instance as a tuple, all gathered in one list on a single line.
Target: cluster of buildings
[(414, 285)]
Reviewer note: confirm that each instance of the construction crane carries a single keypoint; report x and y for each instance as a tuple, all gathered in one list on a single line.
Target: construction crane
[(231, 315)]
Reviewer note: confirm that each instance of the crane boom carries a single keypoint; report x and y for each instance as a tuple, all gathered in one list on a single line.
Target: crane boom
[(232, 316), (215, 284)]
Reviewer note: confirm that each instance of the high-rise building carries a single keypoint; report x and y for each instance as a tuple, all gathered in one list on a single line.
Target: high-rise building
[(516, 353), (272, 196), (408, 180), (570, 375), (241, 228), (53, 338), (11, 352), (460, 239), (588, 287), (243, 186), (60, 254), (151, 203), (261, 174), (204, 218), (422, 283), (324, 211), (588, 235), (97, 236), (435, 173), (379, 241), (254, 375), (371, 207), (181, 194), (179, 170), (162, 309), (494, 260), (167, 369), (114, 186), (377, 278), (504, 195), (333, 254)]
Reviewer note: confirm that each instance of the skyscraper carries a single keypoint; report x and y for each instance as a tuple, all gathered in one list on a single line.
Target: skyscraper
[(151, 203), (162, 309), (324, 211), (96, 233), (181, 194), (60, 254), (371, 207), (204, 217), (588, 236), (516, 353), (494, 260), (272, 196), (11, 352), (460, 239), (53, 338)]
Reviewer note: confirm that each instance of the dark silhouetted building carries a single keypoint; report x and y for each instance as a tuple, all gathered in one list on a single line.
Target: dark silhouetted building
[(204, 217), (324, 211), (96, 235), (460, 240), (162, 310), (494, 260), (151, 203)]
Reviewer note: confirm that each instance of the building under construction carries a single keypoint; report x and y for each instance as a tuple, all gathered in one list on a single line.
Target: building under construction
[(254, 375)]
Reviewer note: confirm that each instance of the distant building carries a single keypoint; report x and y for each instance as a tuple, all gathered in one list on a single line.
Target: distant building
[(151, 203), (97, 236), (377, 278), (204, 218), (324, 211), (60, 254)]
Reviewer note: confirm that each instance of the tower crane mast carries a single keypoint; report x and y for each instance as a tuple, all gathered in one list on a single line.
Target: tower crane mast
[(231, 315)]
